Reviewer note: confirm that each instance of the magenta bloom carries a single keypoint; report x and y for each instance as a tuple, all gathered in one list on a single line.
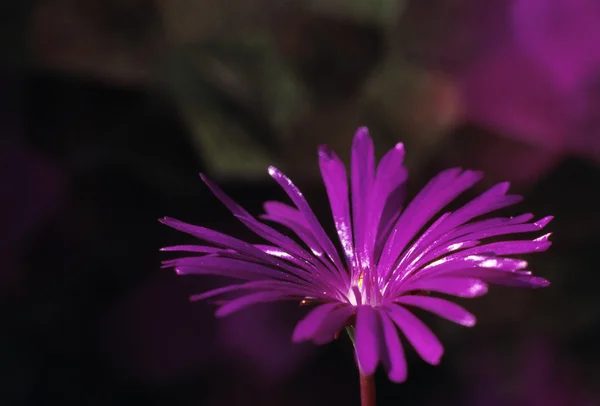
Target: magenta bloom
[(392, 257)]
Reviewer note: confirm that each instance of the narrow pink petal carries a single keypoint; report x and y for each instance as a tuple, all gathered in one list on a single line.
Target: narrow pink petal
[(390, 175), (417, 248), (516, 279), (440, 191), (264, 231), (316, 228), (220, 239), (280, 209), (335, 179), (492, 199), (392, 353), (505, 248), (237, 273), (362, 177), (248, 300), (308, 326), (510, 229), (280, 213), (482, 225), (417, 333), (441, 251), (194, 248), (211, 265), (275, 237), (332, 324), (487, 229), (386, 226), (281, 287), (451, 264), (226, 200), (368, 333), (300, 230), (532, 282), (455, 286), (283, 254), (441, 307), (459, 245)]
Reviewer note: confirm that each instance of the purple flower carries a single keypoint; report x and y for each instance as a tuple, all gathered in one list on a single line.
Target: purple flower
[(392, 257)]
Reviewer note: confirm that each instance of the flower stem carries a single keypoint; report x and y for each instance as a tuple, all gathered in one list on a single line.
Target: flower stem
[(367, 382), (367, 389)]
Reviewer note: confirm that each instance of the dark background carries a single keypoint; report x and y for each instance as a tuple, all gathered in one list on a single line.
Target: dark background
[(110, 109)]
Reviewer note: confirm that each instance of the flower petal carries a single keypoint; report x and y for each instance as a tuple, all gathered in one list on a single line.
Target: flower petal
[(492, 199), (283, 254), (332, 324), (455, 286), (392, 353), (308, 326), (248, 300), (275, 237), (509, 229), (516, 279), (291, 218), (506, 248), (316, 228), (532, 282), (335, 179), (262, 230), (212, 265), (389, 217), (204, 249), (280, 209), (390, 176), (217, 238), (440, 191), (281, 287), (481, 225), (362, 177), (368, 333), (443, 308), (417, 333)]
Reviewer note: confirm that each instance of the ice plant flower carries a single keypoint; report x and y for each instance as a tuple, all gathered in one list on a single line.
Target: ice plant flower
[(391, 258)]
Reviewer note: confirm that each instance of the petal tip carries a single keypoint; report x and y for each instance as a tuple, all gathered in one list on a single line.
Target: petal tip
[(502, 187), (544, 221), (544, 238), (475, 175), (538, 282), (398, 374), (469, 321), (325, 152), (361, 132), (223, 311), (437, 358), (478, 289)]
